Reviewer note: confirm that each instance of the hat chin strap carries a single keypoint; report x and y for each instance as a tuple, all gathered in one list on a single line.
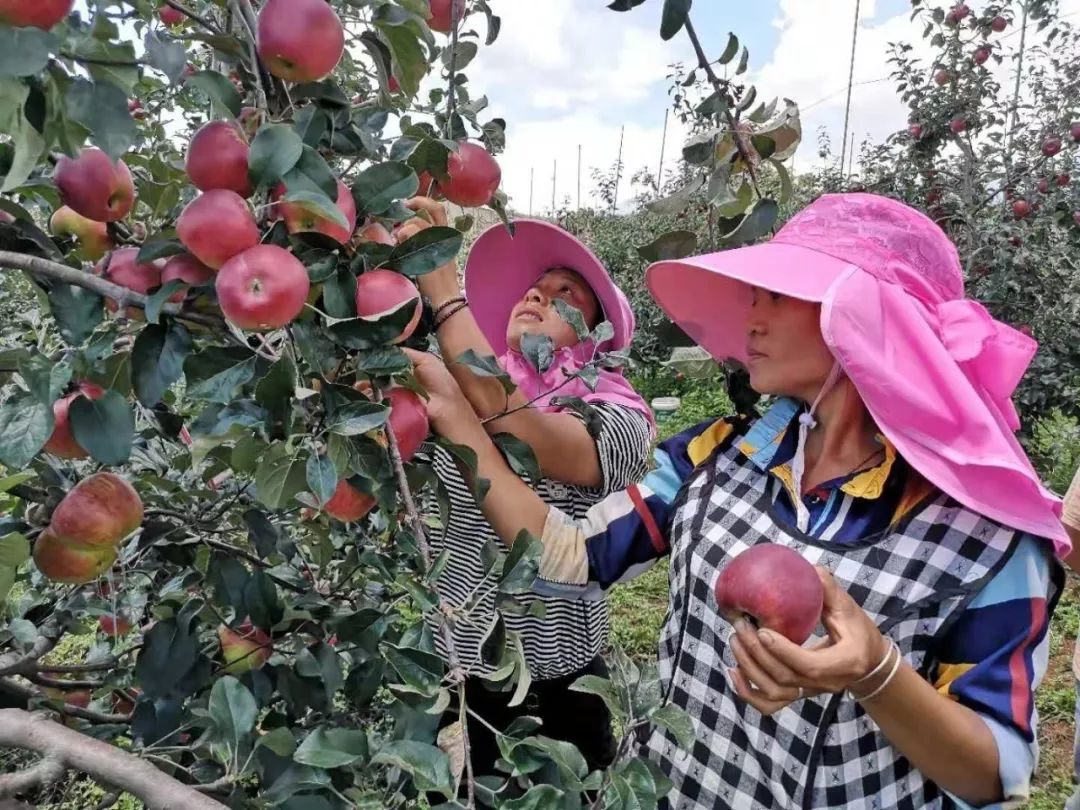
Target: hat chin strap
[(808, 422)]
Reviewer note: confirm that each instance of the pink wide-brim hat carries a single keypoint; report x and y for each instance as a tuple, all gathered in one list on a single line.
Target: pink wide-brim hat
[(501, 268), (934, 369)]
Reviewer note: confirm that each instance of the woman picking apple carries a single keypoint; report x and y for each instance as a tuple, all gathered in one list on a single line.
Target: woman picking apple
[(887, 460), (512, 285)]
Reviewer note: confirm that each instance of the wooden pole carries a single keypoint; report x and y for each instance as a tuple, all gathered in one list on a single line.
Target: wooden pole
[(850, 78), (579, 177), (554, 174), (531, 173), (618, 170), (851, 157), (663, 143)]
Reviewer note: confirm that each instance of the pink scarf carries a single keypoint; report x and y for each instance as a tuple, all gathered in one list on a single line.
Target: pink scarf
[(544, 387)]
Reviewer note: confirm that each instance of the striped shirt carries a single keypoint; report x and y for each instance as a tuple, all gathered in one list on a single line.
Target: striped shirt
[(559, 636)]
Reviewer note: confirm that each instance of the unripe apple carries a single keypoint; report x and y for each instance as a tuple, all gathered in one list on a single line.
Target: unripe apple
[(1021, 208), (61, 443), (300, 218), (941, 77), (300, 40), (243, 649), (380, 292), (170, 16), (957, 125), (112, 625), (216, 226), (95, 186), (43, 14), (915, 131), (408, 420), (94, 241), (188, 269), (474, 176), (1062, 179), (265, 287), (776, 587), (998, 24), (218, 158), (445, 14), (1051, 146), (348, 503), (70, 563), (100, 510), (120, 267), (981, 55)]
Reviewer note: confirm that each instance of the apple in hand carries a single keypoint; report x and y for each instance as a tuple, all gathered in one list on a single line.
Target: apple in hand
[(94, 241), (216, 226), (218, 158), (473, 176), (380, 292), (95, 186), (61, 443), (265, 287), (300, 40), (299, 217), (348, 503), (243, 649), (43, 14), (776, 587)]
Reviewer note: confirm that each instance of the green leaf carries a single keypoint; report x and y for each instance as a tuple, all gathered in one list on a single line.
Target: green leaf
[(427, 765), (7, 579), (539, 350), (671, 245), (538, 797), (417, 668), (785, 180), (322, 477), (572, 315), (358, 417), (233, 710), (493, 647), (673, 17), (466, 455), (261, 601), (486, 366), (157, 299), (157, 360), (371, 333), (8, 482), (77, 311), (275, 150), (425, 251), (311, 173), (280, 741), (678, 201), (744, 60), (25, 51), (105, 427), (102, 108), (678, 722), (280, 476), (758, 222), (25, 137), (605, 690), (730, 50), (316, 349), (319, 204), (521, 565), (332, 748), (44, 379), (168, 57), (220, 90), (215, 373), (14, 550), (518, 455), (25, 426), (409, 64), (159, 249), (464, 53), (378, 186)]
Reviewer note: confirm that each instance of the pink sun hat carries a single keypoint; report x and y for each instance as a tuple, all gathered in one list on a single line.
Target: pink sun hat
[(501, 268), (934, 369)]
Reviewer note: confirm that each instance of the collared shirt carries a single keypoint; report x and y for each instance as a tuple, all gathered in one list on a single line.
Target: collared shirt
[(992, 658)]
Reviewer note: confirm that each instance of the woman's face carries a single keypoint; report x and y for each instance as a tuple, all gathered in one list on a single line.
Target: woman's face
[(535, 314), (787, 354)]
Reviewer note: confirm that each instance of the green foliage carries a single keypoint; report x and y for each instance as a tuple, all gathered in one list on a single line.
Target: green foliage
[(1055, 449)]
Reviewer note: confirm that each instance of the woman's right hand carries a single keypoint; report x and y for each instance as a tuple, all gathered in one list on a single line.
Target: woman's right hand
[(439, 285), (449, 412)]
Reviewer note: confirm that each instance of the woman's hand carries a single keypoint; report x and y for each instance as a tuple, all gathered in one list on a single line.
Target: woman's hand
[(449, 412), (439, 285), (773, 671)]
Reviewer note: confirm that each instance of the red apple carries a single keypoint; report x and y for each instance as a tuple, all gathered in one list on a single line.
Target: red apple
[(216, 226), (218, 158), (981, 55), (960, 11), (94, 241), (941, 77), (392, 85), (380, 292), (408, 420), (61, 442), (998, 24), (915, 131), (1025, 329), (170, 16), (249, 120), (776, 587), (1043, 185), (474, 176), (1015, 241), (1076, 217), (120, 267), (1074, 130), (1051, 146), (187, 269), (375, 232), (300, 217), (265, 287), (348, 503), (95, 186), (957, 125), (112, 625), (1021, 208), (300, 40), (243, 649), (1062, 180), (445, 14), (428, 187), (42, 14)]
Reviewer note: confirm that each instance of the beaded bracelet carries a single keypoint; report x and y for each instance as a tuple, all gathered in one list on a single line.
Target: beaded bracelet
[(457, 299), (886, 682), (440, 321)]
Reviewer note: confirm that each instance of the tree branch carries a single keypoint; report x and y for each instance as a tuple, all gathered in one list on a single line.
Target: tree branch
[(28, 693), (15, 664), (105, 763), (42, 774), (205, 23)]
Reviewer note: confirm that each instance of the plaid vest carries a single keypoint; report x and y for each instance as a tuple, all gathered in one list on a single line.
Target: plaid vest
[(823, 751)]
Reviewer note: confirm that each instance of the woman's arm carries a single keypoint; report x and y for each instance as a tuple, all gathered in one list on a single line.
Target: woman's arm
[(560, 441)]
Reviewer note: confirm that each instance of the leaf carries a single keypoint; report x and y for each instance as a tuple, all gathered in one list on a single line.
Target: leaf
[(758, 222), (159, 249), (521, 565), (104, 427), (261, 601), (311, 173), (451, 741), (157, 360), (77, 311), (168, 57), (425, 251), (319, 204), (25, 51), (409, 63), (486, 366), (744, 60), (730, 49), (275, 150), (518, 455), (25, 137), (466, 455), (7, 579), (280, 741), (678, 722), (219, 89), (372, 333), (605, 690), (375, 188), (102, 108), (262, 533), (316, 349), (673, 17), (785, 180), (14, 550), (25, 425), (539, 350), (9, 482), (419, 669), (44, 379), (538, 797), (427, 765), (215, 373), (572, 315), (677, 202), (280, 476), (157, 299), (671, 245), (358, 417), (464, 53), (593, 423), (493, 647), (233, 710), (322, 477), (332, 748)]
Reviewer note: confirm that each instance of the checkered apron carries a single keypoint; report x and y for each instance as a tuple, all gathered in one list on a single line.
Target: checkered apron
[(823, 751)]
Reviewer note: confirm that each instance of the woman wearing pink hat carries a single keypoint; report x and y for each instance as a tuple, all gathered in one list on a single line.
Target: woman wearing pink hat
[(512, 284), (888, 460)]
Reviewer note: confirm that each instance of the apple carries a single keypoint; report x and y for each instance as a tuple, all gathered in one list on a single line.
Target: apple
[(299, 217), (188, 269), (1015, 241), (375, 232), (188, 71), (94, 241), (957, 125), (112, 625), (170, 16), (1043, 185), (71, 564), (216, 226), (445, 14), (408, 420), (265, 287), (999, 23), (915, 131), (61, 442), (1025, 329), (249, 120), (243, 649), (43, 14), (960, 11), (120, 267), (981, 55), (1074, 131), (300, 40), (95, 186), (6, 217), (380, 292), (1051, 146), (776, 587), (218, 158), (1021, 208), (135, 107), (1076, 217), (348, 503), (1062, 180), (473, 176), (941, 77), (392, 85)]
